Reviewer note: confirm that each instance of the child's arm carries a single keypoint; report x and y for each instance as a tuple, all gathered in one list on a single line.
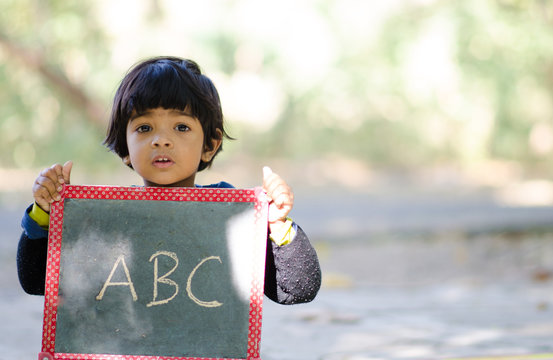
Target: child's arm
[(31, 262), (292, 271), (33, 244)]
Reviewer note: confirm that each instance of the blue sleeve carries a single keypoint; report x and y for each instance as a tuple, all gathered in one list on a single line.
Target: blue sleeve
[(219, 185), (31, 228)]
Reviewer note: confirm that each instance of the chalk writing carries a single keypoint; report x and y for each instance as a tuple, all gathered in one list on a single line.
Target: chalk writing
[(120, 259), (164, 279), (214, 303)]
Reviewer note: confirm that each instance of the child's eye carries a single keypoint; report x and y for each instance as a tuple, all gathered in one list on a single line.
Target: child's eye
[(182, 127), (143, 128)]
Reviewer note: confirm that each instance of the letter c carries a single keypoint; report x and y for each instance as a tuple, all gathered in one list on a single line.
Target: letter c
[(213, 303)]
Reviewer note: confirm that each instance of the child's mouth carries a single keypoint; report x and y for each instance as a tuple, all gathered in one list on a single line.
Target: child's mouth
[(162, 162)]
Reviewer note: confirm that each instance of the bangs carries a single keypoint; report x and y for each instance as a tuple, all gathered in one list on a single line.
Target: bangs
[(160, 85)]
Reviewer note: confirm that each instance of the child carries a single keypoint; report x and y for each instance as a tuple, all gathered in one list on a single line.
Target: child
[(167, 124)]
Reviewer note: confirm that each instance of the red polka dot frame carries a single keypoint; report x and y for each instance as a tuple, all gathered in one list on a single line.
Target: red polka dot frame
[(213, 195)]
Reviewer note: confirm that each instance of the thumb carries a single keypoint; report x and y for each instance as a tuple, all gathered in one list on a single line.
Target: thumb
[(267, 172), (66, 171)]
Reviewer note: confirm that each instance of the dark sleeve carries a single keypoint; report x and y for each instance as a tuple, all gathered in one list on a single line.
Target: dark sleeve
[(31, 264), (32, 252), (292, 272)]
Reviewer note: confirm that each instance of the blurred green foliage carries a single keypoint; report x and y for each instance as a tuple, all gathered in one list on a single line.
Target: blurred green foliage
[(53, 100), (402, 84)]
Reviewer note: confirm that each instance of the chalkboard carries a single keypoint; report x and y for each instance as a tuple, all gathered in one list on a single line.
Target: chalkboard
[(160, 273)]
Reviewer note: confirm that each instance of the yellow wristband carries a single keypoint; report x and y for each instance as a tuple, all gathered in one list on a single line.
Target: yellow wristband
[(285, 235), (41, 217)]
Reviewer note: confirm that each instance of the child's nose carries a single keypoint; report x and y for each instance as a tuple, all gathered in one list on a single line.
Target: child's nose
[(161, 140)]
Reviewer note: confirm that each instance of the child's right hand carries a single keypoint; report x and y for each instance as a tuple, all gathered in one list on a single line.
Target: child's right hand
[(49, 183)]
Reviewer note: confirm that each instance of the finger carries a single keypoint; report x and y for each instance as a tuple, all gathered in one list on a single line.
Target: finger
[(282, 199), (56, 173), (42, 201), (277, 189), (268, 177), (281, 204), (66, 171), (58, 168), (42, 196), (46, 188), (266, 172), (271, 182), (278, 214), (47, 185), (279, 193)]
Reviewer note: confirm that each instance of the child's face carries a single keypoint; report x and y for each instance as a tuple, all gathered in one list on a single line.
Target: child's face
[(166, 146)]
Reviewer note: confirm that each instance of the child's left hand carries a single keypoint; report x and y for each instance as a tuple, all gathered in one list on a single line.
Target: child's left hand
[(281, 197)]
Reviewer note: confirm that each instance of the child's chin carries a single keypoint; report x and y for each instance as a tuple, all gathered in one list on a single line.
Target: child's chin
[(157, 183), (165, 183)]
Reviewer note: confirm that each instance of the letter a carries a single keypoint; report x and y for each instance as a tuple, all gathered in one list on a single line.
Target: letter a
[(120, 259)]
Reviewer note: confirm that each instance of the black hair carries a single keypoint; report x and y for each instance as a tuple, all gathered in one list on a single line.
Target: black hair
[(170, 83)]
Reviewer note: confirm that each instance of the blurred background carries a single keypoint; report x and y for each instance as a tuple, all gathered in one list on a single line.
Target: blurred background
[(417, 134)]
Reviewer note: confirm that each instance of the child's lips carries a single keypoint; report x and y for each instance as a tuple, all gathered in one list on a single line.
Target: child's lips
[(162, 161)]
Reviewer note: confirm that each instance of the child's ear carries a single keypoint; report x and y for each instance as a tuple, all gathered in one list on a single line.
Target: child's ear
[(127, 161), (208, 154)]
